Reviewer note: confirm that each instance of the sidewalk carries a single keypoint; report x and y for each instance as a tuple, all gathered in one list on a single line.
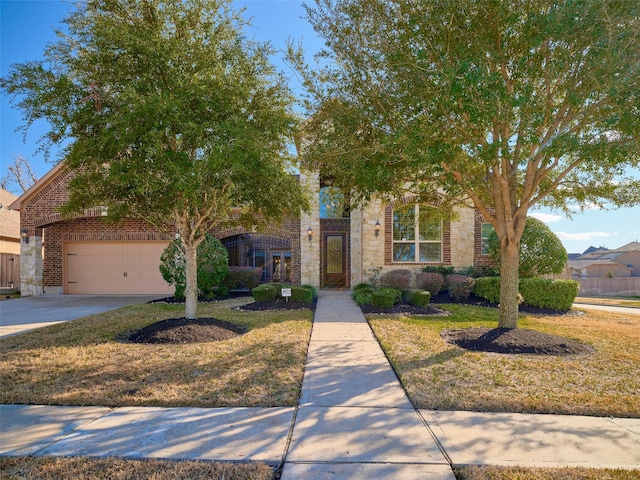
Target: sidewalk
[(354, 421)]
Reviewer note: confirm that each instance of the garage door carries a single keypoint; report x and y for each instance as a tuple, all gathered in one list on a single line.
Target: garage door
[(120, 268)]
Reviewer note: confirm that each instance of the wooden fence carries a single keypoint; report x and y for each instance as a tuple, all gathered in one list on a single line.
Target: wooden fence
[(9, 270), (614, 287)]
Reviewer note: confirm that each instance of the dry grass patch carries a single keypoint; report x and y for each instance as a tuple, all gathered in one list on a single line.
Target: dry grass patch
[(620, 302), (30, 468), (521, 473), (438, 375), (85, 362)]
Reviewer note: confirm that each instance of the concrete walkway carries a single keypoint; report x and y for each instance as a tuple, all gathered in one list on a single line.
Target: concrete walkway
[(354, 421)]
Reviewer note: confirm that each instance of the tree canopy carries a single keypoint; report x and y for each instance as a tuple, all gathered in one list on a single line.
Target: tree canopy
[(499, 105), (173, 115)]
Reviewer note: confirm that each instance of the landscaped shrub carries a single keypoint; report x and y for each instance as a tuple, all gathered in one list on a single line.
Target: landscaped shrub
[(385, 297), (459, 286), (362, 294), (478, 272), (304, 293), (398, 279), (430, 281), (212, 265), (242, 278), (441, 269), (266, 292), (488, 288), (545, 293), (418, 298)]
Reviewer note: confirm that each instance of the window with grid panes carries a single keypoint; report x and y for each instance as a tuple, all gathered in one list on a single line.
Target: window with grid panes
[(417, 234)]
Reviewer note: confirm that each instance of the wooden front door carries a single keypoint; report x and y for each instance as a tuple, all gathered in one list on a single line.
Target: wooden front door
[(334, 259)]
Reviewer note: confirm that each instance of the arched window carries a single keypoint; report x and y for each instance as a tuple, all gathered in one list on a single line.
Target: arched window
[(417, 234), (332, 203)]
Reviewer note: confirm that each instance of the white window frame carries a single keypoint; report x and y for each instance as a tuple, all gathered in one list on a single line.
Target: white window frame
[(416, 241)]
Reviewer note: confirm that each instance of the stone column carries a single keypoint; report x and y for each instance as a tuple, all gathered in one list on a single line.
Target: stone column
[(310, 249), (31, 267)]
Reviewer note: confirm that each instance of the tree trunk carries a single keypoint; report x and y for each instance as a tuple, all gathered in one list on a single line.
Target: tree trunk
[(191, 281), (509, 263)]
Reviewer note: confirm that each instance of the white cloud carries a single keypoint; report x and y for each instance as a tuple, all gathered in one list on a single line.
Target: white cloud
[(546, 217), (581, 236)]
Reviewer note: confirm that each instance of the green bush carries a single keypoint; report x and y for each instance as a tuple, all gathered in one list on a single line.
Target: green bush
[(431, 281), (478, 272), (545, 293), (242, 278), (212, 265), (266, 292), (385, 297), (459, 286), (362, 294), (488, 288), (362, 287), (303, 293), (418, 298), (441, 269), (398, 279)]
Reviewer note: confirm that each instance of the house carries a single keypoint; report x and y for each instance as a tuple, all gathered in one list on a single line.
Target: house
[(604, 263), (329, 247), (9, 242)]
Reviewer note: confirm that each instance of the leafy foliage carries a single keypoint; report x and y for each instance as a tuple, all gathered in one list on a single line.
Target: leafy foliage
[(430, 281), (488, 288), (459, 286), (240, 278), (266, 292), (545, 293), (166, 111), (385, 297), (212, 265), (503, 105), (541, 251), (418, 298), (398, 279)]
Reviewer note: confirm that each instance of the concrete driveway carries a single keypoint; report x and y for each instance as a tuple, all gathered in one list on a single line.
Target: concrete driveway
[(22, 314)]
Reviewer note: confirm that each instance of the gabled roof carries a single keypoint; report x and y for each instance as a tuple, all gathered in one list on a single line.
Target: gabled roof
[(9, 218), (36, 187), (629, 247), (586, 263)]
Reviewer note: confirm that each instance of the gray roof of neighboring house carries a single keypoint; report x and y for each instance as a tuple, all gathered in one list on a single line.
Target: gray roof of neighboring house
[(585, 263), (9, 219)]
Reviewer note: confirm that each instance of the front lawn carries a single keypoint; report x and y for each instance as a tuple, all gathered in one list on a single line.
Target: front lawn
[(438, 375), (87, 361)]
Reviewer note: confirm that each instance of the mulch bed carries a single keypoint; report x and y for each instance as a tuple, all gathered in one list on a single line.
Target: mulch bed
[(514, 341), (277, 305), (182, 330)]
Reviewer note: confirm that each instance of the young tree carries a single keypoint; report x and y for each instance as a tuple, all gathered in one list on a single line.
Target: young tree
[(172, 114), (503, 105)]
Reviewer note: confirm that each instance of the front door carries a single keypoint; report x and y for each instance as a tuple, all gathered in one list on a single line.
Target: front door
[(334, 259)]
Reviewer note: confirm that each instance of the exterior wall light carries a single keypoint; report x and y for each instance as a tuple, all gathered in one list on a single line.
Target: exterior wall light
[(25, 235), (377, 227), (310, 233)]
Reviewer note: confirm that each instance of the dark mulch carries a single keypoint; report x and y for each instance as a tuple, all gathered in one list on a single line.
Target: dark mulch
[(182, 330), (277, 305), (514, 341), (404, 308)]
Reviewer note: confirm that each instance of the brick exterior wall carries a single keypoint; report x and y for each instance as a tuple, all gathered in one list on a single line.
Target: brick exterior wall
[(479, 260)]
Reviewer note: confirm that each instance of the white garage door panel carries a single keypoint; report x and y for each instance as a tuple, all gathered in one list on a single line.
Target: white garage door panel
[(115, 268)]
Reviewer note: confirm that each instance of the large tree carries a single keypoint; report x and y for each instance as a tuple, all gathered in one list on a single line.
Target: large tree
[(502, 105), (171, 114)]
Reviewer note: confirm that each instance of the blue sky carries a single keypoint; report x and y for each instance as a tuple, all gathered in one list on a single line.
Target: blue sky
[(26, 26)]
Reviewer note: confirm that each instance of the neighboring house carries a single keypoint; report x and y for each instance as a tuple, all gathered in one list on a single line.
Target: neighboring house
[(604, 263), (9, 242), (330, 247)]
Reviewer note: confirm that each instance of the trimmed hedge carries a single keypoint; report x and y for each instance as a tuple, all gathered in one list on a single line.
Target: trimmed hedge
[(545, 293), (362, 294), (385, 297), (441, 269), (304, 293), (242, 278), (488, 288), (266, 292), (459, 286), (418, 298), (398, 279), (431, 281)]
